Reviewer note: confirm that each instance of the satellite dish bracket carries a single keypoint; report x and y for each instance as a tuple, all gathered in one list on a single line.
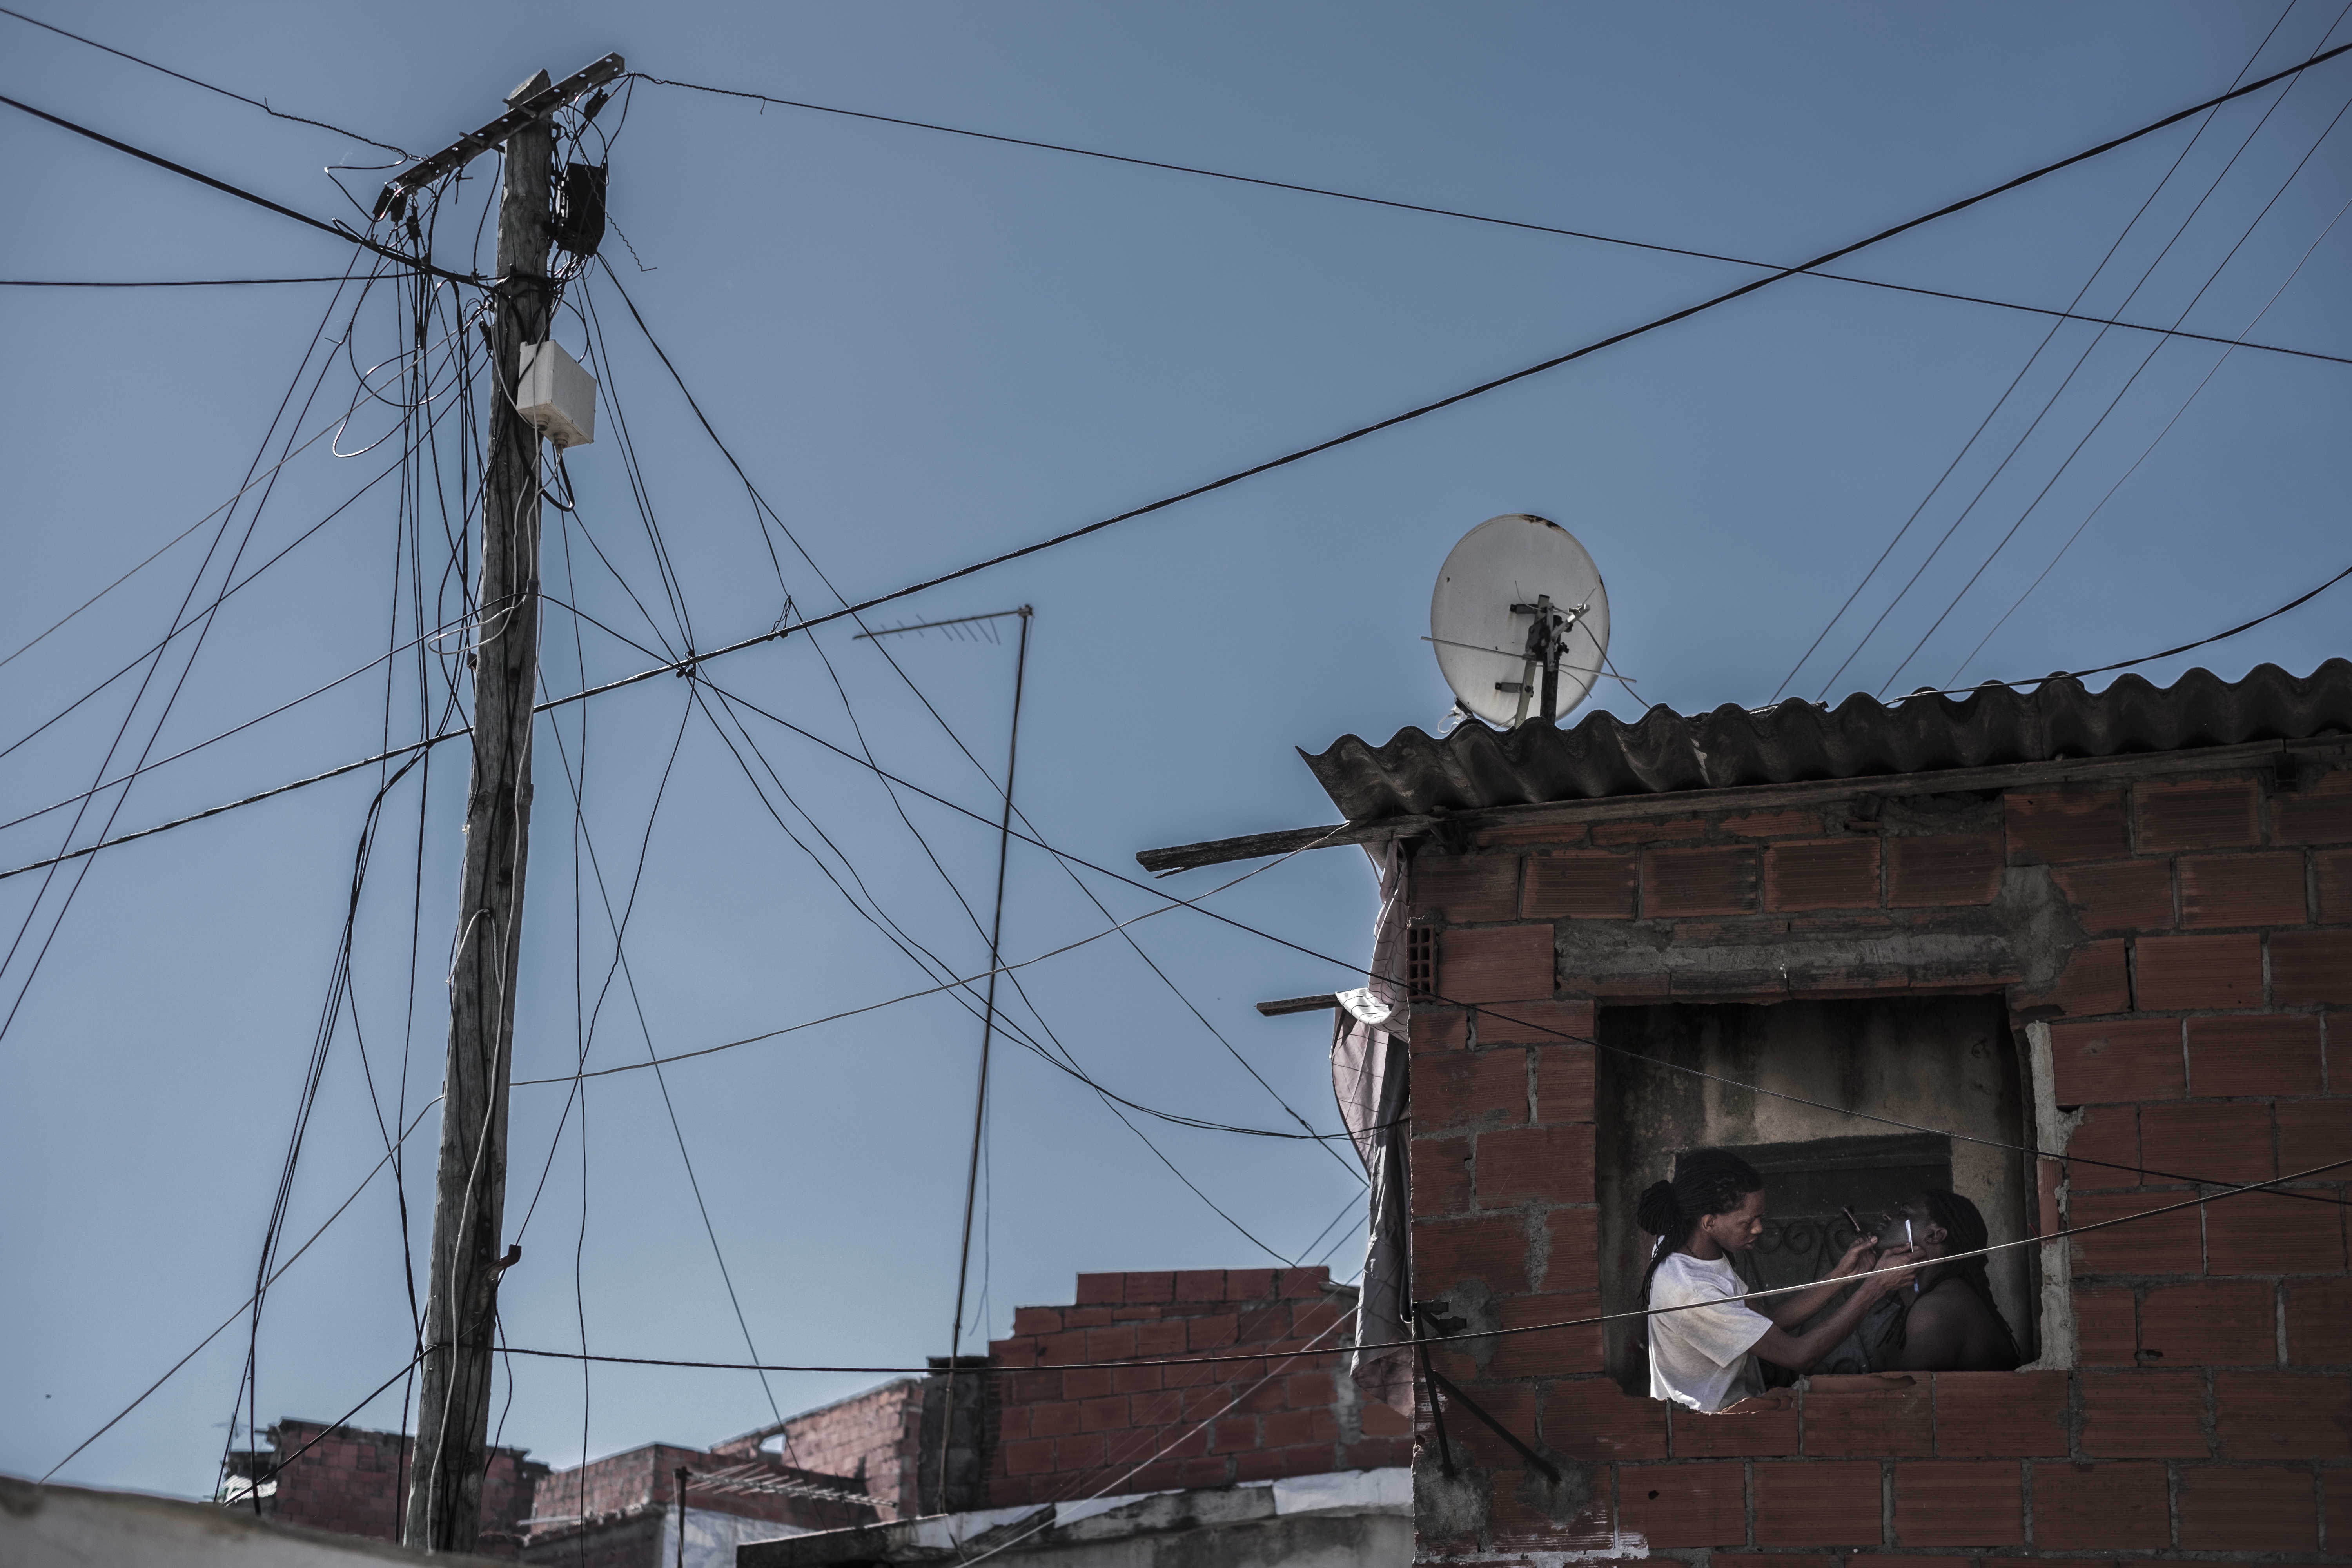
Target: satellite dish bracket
[(1546, 640)]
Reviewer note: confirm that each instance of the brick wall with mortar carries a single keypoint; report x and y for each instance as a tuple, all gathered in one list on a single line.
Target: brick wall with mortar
[(354, 1482), (875, 1437), (1066, 1435), (602, 1509), (2187, 943)]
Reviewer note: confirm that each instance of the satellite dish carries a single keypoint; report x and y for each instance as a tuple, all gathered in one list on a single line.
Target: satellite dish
[(1520, 621)]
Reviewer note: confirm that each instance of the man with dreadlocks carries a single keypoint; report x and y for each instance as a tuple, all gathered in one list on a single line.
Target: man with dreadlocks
[(1704, 1338), (1947, 1321)]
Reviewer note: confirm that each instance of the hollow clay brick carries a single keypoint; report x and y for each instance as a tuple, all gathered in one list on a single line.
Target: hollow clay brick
[(1573, 1261), (1534, 1023), (2103, 1506), (1826, 1502), (1944, 870), (2198, 814), (1594, 1417), (1563, 1083), (2268, 1053), (2291, 1415), (2096, 979), (1543, 1164), (1441, 1176), (2269, 1233), (1716, 880), (2320, 813), (1459, 889), (2067, 825), (1883, 1416), (1771, 1432), (1497, 964), (2242, 889), (1826, 874), (2311, 967), (2116, 1059), (2201, 973), (1581, 887), (2331, 875), (2216, 1144), (1683, 1505), (2217, 1323), (2318, 1321), (2104, 1149), (2314, 1133), (2002, 1415), (1492, 1250), (1470, 1089), (2249, 1507), (2165, 1244), (2123, 895), (1947, 1503)]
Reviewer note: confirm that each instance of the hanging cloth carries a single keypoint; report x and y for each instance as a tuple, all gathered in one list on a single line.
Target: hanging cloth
[(1370, 1055)]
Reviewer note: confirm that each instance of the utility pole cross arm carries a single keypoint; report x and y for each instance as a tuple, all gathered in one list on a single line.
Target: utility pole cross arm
[(394, 199)]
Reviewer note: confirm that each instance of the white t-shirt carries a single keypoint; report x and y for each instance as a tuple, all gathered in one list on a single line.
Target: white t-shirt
[(1702, 1357)]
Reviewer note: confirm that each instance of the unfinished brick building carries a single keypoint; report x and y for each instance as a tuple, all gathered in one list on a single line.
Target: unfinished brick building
[(355, 1481), (1062, 1436), (2114, 929)]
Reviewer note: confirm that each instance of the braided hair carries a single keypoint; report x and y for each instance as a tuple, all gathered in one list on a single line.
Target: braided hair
[(1705, 1182), (1964, 1231)]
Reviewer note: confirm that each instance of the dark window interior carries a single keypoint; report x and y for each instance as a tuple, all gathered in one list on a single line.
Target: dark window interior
[(1805, 1185), (1947, 1063)]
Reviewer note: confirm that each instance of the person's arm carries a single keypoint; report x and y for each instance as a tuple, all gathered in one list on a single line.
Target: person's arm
[(1788, 1311), (1799, 1352)]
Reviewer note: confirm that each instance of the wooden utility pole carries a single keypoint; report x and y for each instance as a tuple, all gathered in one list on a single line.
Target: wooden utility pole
[(445, 1498)]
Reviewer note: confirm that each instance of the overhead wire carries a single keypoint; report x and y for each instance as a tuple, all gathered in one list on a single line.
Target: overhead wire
[(2068, 314), (1593, 347), (241, 194), (763, 512), (2092, 516), (261, 104), (205, 619), (152, 282), (933, 966), (1197, 904), (2133, 379), (2009, 391), (1478, 1336), (763, 508)]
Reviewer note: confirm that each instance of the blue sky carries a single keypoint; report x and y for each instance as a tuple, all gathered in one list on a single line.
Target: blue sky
[(926, 350)]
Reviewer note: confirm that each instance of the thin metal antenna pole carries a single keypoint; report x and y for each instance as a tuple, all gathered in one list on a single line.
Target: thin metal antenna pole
[(987, 1037)]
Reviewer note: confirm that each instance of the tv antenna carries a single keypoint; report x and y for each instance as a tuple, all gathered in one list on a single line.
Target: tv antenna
[(1520, 621)]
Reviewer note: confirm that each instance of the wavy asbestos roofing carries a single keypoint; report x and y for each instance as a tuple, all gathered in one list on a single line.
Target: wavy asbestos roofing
[(1797, 741)]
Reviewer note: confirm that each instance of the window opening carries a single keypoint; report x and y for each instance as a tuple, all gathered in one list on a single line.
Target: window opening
[(1944, 1062)]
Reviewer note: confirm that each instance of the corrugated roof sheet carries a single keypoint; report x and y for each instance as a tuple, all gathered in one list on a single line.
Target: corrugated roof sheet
[(1666, 751)]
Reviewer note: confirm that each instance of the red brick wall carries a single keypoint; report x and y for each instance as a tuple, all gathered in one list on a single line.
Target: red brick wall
[(876, 1435), (2193, 1021), (622, 1485), (356, 1482), (1073, 1434)]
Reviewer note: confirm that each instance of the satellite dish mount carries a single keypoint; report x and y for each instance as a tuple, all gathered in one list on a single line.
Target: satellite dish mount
[(1545, 640), (1519, 621)]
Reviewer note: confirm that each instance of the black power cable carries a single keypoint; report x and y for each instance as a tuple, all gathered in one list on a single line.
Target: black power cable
[(1448, 402), (338, 230), (260, 104), (1447, 212), (164, 282)]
